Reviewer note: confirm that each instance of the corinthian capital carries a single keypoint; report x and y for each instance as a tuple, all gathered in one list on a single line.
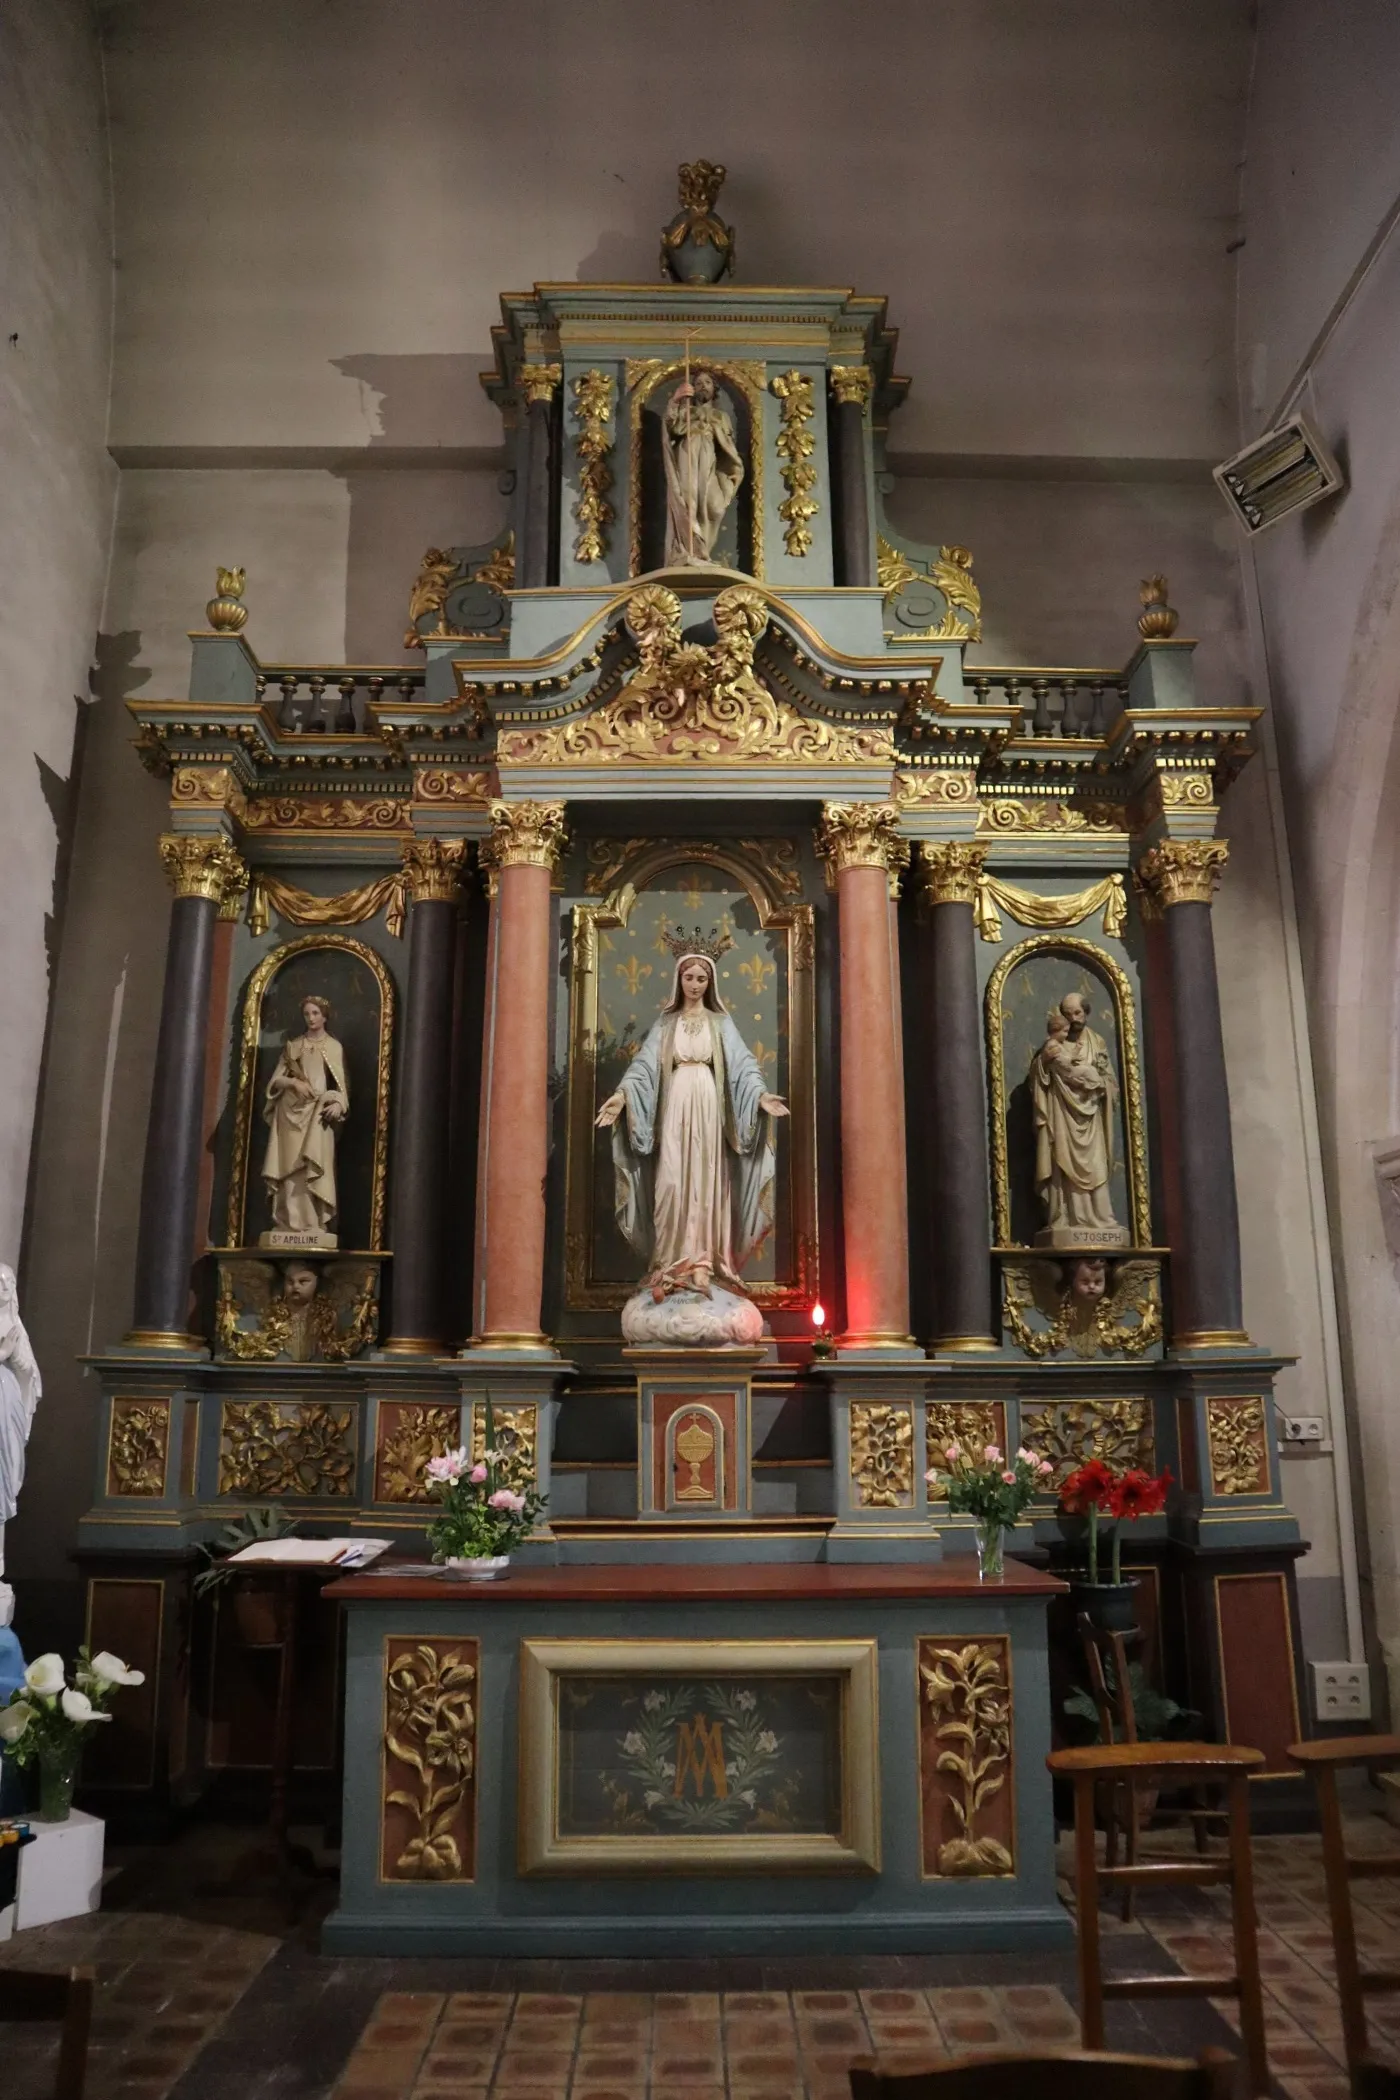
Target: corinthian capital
[(433, 869), (950, 871), (202, 867), (861, 835), (1182, 871), (850, 384), (537, 383), (525, 835)]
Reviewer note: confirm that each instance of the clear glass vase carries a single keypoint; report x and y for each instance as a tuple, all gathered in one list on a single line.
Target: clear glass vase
[(991, 1553), (58, 1769)]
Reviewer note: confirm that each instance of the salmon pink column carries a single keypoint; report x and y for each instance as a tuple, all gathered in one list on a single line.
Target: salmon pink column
[(523, 849), (863, 849)]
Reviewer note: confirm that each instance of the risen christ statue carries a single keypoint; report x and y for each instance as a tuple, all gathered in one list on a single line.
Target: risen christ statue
[(703, 470)]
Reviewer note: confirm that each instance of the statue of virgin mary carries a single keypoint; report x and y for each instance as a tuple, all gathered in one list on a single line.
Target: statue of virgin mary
[(694, 1163), (20, 1390)]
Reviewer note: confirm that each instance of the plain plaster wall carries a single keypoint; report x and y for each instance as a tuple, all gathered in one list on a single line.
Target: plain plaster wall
[(1322, 171), (56, 493)]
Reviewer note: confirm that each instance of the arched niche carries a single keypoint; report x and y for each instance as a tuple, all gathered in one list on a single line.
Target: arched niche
[(739, 385), (1029, 979), (355, 980)]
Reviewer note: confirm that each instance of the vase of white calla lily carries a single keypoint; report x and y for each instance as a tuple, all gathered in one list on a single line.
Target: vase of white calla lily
[(48, 1718)]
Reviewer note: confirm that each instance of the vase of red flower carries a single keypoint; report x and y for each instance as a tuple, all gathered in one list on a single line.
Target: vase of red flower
[(1091, 1494)]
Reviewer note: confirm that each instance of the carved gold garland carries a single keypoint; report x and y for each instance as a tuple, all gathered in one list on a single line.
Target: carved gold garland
[(1108, 896), (138, 1441), (794, 445), (245, 1104), (882, 1454), (271, 1447), (430, 1735), (302, 908), (967, 1688), (643, 377), (593, 407), (1104, 966), (417, 1434), (1068, 1432), (1237, 1433)]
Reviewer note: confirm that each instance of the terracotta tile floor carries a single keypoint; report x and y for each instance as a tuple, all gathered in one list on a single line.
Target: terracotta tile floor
[(207, 2000)]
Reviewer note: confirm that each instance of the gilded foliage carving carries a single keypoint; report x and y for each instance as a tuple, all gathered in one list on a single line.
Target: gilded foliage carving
[(794, 445), (1237, 1432), (1068, 1432), (516, 1430), (136, 1452), (593, 407), (414, 1435), (882, 1454), (966, 1711), (975, 1423), (275, 1447), (254, 1322), (327, 813), (429, 1761)]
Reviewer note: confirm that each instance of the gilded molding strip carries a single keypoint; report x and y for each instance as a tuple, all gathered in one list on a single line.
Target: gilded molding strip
[(138, 1443), (1068, 1432), (593, 407), (1108, 896), (882, 1454), (1013, 814), (429, 1768), (245, 1105), (281, 1447), (966, 1757), (1105, 967), (1237, 1434), (794, 445)]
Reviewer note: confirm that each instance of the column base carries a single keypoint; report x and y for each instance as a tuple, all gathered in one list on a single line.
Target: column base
[(963, 1344), (419, 1345), (529, 1345), (165, 1338), (1212, 1338), (881, 1343)]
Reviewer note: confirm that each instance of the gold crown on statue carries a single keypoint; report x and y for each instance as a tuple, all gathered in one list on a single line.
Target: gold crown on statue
[(712, 945)]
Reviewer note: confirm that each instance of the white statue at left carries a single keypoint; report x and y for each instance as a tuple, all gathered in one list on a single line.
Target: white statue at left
[(20, 1387)]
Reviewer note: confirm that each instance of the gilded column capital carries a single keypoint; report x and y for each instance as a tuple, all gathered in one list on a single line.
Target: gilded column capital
[(950, 870), (525, 835), (202, 867), (433, 869), (1181, 871), (862, 835), (851, 384), (536, 383)]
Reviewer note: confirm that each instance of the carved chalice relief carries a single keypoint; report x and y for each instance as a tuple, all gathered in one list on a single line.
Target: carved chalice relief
[(695, 1443), (694, 1162)]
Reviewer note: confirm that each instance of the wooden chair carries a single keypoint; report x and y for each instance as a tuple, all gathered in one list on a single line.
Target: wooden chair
[(1322, 1761), (31, 1994), (1073, 2074), (1219, 1764)]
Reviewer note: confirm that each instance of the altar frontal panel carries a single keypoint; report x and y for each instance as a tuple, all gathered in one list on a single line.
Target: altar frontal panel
[(686, 1756)]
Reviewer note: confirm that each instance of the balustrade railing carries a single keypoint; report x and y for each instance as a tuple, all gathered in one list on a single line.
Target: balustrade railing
[(1074, 704), (328, 701)]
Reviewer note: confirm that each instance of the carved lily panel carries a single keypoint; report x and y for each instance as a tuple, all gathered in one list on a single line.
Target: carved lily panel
[(427, 1820), (967, 1820)]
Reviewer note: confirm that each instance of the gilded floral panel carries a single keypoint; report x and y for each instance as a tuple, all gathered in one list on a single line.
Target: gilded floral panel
[(427, 1829), (967, 1818)]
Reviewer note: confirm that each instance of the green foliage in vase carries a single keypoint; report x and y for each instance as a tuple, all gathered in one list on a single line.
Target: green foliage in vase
[(253, 1528)]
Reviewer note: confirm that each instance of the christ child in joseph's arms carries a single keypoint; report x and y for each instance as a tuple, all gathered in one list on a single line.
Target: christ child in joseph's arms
[(1053, 1050)]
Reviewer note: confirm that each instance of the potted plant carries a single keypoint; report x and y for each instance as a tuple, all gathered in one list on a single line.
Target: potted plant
[(256, 1604), (1156, 1716), (49, 1716), (982, 1483), (1091, 1492), (482, 1518)]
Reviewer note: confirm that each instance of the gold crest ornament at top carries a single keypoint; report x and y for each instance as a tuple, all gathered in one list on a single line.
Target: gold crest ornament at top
[(951, 574), (696, 246), (225, 612), (794, 446), (593, 407), (687, 702)]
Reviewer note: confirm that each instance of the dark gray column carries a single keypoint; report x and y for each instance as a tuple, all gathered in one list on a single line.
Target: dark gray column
[(535, 476), (201, 870), (418, 1224), (1208, 1303), (850, 387), (961, 1225)]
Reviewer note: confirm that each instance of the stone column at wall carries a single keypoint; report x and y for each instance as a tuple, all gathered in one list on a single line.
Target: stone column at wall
[(202, 872), (850, 389), (433, 869), (523, 851), (864, 853), (537, 386), (960, 1226), (1178, 878)]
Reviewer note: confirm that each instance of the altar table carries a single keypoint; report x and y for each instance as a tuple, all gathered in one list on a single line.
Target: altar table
[(697, 1759)]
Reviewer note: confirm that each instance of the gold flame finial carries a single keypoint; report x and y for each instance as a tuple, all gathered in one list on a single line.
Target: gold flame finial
[(1157, 620), (224, 612)]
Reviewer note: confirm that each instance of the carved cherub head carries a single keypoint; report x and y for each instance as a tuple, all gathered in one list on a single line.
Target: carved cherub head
[(1088, 1279), (300, 1283)]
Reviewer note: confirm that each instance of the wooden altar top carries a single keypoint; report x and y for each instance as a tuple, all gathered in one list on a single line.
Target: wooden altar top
[(738, 1583)]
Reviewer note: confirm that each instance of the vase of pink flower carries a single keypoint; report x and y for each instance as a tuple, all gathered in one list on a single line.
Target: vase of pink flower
[(978, 1480), (482, 1516)]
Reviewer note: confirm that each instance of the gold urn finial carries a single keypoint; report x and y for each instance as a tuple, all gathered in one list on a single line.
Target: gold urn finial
[(697, 247), (1157, 620), (224, 612), (699, 183)]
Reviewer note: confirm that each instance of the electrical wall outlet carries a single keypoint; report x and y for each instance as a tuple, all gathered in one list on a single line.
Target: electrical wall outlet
[(1301, 1429), (1342, 1691)]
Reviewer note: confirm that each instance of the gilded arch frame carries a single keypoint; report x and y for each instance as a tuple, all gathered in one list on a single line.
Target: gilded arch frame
[(644, 376)]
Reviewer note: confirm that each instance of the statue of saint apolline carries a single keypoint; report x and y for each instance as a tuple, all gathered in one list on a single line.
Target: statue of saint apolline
[(693, 1147), (307, 1102), (704, 468), (1072, 1090)]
